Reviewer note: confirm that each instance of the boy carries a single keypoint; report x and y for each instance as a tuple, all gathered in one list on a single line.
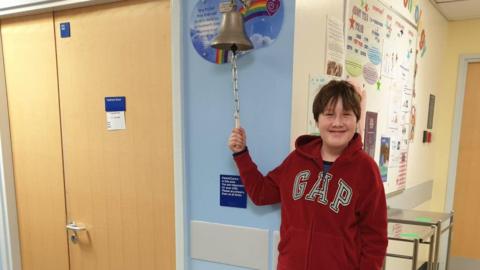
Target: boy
[(333, 207)]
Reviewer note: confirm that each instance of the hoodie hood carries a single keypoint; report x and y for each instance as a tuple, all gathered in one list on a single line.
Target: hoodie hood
[(310, 147)]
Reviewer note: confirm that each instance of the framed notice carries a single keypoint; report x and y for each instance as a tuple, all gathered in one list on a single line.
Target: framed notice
[(431, 109)]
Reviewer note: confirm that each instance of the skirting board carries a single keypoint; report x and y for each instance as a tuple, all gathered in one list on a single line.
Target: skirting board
[(412, 197), (227, 244), (464, 263)]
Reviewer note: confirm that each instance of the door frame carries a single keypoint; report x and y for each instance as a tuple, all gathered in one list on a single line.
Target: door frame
[(178, 135), (10, 249), (464, 60)]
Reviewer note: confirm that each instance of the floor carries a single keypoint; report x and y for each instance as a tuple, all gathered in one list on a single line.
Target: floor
[(459, 263)]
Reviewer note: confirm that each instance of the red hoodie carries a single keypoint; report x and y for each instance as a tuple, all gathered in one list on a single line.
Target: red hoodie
[(336, 221)]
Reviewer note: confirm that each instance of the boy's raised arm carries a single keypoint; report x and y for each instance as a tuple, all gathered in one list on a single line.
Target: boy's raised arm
[(262, 190)]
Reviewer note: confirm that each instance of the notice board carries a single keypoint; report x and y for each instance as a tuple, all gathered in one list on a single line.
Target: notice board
[(381, 55)]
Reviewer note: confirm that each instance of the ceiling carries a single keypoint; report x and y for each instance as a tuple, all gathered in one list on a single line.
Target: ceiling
[(11, 8), (455, 10)]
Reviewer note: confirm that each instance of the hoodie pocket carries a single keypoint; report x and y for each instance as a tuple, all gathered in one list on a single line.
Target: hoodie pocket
[(326, 252), (305, 250)]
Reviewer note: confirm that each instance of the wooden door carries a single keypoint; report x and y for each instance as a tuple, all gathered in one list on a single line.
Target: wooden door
[(32, 90), (466, 235), (119, 184)]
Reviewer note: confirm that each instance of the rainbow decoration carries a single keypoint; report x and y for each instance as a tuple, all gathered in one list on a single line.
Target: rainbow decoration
[(221, 56), (257, 8)]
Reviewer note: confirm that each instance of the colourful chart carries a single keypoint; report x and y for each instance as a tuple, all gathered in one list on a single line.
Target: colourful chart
[(380, 56)]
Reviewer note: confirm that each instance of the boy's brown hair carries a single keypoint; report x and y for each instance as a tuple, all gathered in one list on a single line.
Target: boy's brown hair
[(329, 94)]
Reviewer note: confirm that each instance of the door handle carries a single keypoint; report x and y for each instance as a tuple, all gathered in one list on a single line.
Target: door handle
[(75, 229)]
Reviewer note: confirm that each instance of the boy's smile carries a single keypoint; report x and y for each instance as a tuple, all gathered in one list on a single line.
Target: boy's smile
[(337, 127)]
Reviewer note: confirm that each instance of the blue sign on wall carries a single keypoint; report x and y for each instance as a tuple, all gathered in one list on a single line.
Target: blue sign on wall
[(232, 191), (65, 30)]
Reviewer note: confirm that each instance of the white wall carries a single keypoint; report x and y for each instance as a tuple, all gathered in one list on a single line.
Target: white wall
[(422, 157), (309, 53)]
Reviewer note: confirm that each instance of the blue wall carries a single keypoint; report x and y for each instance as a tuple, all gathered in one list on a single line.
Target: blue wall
[(265, 80)]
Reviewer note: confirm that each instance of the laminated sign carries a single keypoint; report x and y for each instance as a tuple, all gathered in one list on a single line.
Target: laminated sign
[(232, 191), (115, 108)]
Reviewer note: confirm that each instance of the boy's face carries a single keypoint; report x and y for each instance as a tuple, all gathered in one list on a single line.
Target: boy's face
[(337, 126)]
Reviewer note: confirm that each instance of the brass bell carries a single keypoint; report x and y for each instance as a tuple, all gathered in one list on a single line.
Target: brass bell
[(232, 34)]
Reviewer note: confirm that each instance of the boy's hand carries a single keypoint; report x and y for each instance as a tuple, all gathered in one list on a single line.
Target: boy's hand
[(237, 140)]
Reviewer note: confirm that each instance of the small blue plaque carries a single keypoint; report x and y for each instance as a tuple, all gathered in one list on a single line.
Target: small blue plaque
[(115, 104), (232, 192), (65, 30)]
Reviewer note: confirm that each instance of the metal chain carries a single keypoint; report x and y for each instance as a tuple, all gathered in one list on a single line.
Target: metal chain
[(236, 113)]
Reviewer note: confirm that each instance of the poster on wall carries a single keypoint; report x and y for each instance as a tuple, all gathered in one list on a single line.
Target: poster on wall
[(380, 56), (335, 49), (263, 21), (409, 9), (315, 83), (370, 133), (411, 125), (384, 157), (364, 41)]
